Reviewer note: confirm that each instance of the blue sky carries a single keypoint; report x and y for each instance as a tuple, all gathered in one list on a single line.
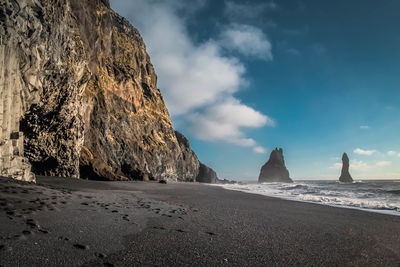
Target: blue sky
[(316, 78)]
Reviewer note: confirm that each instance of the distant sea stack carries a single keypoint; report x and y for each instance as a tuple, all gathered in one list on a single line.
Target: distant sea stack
[(345, 177), (275, 170)]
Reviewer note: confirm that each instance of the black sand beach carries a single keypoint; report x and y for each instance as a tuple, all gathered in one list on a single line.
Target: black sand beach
[(68, 222)]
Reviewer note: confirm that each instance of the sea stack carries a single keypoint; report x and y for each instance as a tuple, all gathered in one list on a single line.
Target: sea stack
[(275, 170), (345, 177)]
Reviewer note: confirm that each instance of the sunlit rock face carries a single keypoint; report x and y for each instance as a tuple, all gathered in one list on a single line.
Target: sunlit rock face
[(12, 161), (345, 176), (275, 170), (86, 96)]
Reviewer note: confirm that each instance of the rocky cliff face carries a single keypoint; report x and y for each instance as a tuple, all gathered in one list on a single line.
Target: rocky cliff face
[(275, 170), (87, 92), (206, 175), (345, 176)]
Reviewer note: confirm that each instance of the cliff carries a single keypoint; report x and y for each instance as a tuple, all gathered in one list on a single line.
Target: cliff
[(275, 170), (206, 175), (85, 96), (345, 176)]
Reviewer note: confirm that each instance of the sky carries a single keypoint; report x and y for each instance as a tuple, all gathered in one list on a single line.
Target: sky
[(317, 78)]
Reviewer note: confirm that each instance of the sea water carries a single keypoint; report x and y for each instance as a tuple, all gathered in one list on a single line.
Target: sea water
[(372, 195)]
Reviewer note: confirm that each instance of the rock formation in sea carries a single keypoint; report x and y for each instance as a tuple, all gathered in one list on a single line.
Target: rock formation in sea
[(206, 175), (79, 97), (275, 170), (345, 176)]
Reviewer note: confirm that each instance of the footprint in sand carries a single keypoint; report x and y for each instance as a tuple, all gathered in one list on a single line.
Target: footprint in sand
[(100, 255), (26, 232), (80, 246), (31, 223)]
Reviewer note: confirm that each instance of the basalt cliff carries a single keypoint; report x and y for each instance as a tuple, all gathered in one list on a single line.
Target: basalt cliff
[(79, 97), (275, 170)]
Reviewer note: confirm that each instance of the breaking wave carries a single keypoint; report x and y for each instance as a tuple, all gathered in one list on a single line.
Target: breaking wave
[(377, 196)]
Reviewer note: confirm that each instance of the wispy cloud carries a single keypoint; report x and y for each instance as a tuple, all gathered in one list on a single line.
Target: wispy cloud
[(319, 49), (364, 127), (248, 40), (392, 153), (383, 163), (259, 150), (238, 11), (224, 122), (297, 31), (336, 166), (360, 151), (293, 51), (359, 165)]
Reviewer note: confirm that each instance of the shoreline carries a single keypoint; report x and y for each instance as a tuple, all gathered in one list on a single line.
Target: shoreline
[(71, 222), (379, 211)]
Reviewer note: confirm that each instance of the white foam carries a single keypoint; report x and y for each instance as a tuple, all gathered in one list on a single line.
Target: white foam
[(327, 194)]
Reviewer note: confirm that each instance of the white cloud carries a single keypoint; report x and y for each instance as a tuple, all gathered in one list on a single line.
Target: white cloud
[(398, 155), (359, 165), (293, 51), (391, 153), (383, 163), (259, 150), (236, 11), (233, 112), (336, 166), (319, 49), (360, 151), (198, 80), (224, 122), (364, 127), (190, 75), (247, 40)]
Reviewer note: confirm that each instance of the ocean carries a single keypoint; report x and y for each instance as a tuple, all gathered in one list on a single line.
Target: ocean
[(381, 196)]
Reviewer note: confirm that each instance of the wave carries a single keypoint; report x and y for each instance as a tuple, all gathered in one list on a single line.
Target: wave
[(373, 196)]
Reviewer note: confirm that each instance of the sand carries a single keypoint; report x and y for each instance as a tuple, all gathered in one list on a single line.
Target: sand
[(70, 222)]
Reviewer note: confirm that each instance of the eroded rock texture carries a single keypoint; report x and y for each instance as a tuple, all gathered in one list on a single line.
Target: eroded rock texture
[(89, 103), (206, 175), (345, 176), (275, 170)]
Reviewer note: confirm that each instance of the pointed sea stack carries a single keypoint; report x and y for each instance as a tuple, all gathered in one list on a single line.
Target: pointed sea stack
[(275, 170), (345, 177)]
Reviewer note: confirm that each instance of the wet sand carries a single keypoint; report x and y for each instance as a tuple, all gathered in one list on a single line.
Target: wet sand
[(69, 222)]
